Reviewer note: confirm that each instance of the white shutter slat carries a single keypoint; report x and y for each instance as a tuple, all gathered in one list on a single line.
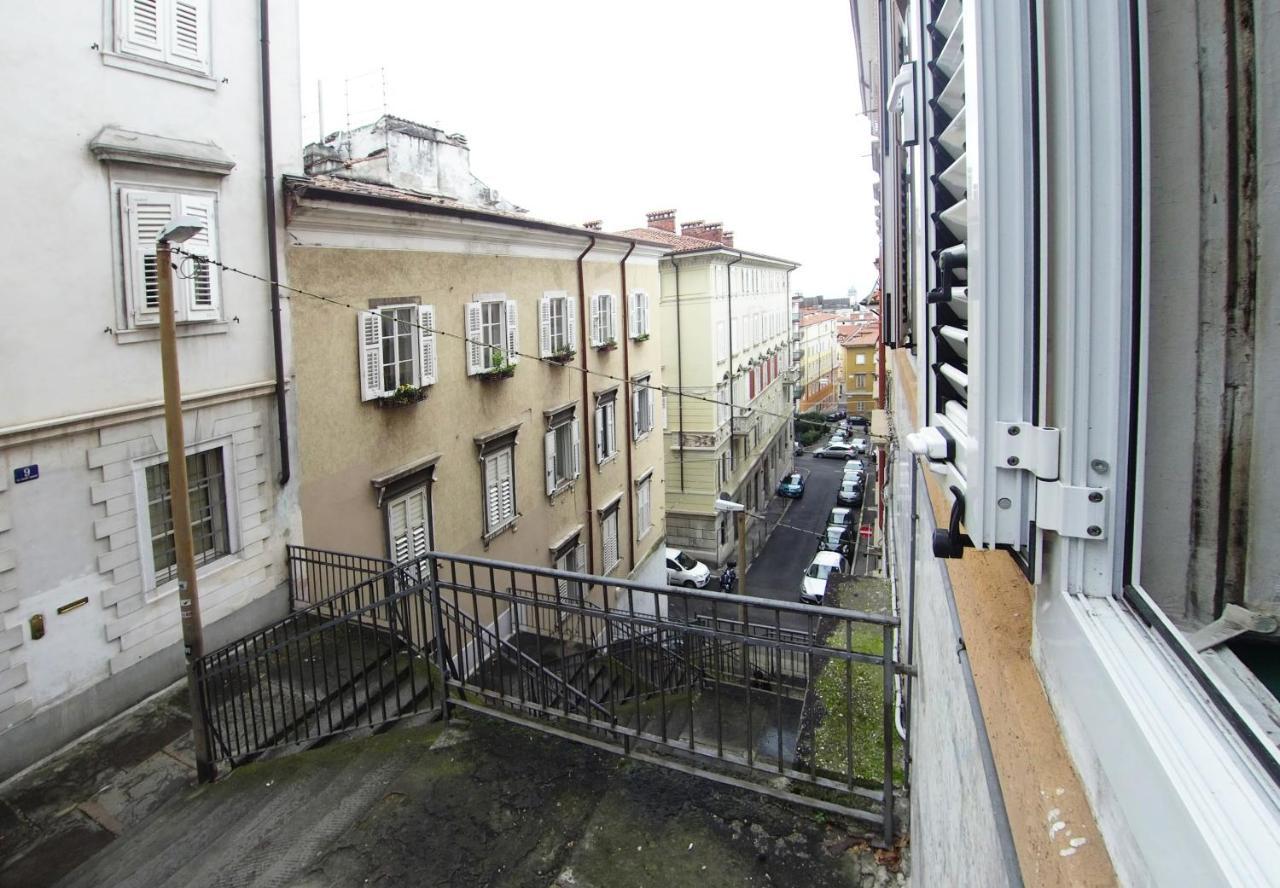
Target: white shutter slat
[(188, 40), (549, 460), (146, 214), (142, 29), (513, 332), (576, 444), (544, 327), (599, 423), (633, 316), (597, 335), (369, 342), (571, 321), (636, 428), (200, 284), (427, 371), (475, 350)]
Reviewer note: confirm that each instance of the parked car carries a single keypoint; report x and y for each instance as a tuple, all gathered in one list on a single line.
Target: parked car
[(835, 539), (857, 420), (859, 445), (792, 485), (849, 494), (842, 516), (799, 449), (685, 571), (856, 462), (837, 415), (853, 469), (836, 451), (813, 586)]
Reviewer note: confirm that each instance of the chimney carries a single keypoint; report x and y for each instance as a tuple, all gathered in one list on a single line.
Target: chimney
[(594, 224), (663, 219), (726, 238), (713, 231), (692, 229)]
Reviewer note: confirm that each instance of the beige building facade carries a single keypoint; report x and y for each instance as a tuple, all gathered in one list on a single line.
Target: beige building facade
[(486, 385)]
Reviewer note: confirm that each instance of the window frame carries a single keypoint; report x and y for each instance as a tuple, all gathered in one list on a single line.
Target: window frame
[(644, 505), (161, 61), (605, 426), (477, 349), (493, 453), (550, 340), (153, 590), (604, 319), (642, 418), (562, 423), (137, 316), (609, 521)]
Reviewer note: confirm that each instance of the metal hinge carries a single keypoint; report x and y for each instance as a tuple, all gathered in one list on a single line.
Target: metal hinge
[(1072, 511), (1020, 445)]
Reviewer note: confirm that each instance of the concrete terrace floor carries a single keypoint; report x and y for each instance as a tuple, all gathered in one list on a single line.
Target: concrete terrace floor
[(478, 802)]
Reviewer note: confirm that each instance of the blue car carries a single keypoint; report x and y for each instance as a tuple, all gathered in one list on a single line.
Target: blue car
[(792, 485)]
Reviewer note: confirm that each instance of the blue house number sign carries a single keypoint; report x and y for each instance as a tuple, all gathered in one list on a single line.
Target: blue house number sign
[(25, 473)]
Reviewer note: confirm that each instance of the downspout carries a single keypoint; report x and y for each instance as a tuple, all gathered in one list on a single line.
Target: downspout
[(626, 372), (679, 369), (732, 376), (590, 425), (273, 246)]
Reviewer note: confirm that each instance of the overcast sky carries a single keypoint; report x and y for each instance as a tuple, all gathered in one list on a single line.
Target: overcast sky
[(744, 112)]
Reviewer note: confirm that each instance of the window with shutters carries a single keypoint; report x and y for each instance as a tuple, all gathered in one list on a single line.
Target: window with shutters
[(609, 538), (606, 428), (213, 518), (408, 525), (604, 325), (171, 32), (397, 351), (571, 557), (644, 507), (145, 214), (492, 334), (722, 340), (639, 315), (499, 489), (557, 325), (641, 407), (561, 449)]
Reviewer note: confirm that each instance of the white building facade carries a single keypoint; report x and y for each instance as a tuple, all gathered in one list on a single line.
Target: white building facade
[(155, 108)]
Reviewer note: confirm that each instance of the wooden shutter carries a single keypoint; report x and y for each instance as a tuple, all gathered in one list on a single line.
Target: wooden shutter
[(600, 451), (513, 332), (544, 327), (475, 349), (507, 485), (571, 321), (427, 344), (609, 540), (576, 444), (189, 34), (407, 522), (642, 302), (369, 341), (597, 325), (636, 428), (200, 283), (549, 460), (146, 215), (142, 31), (633, 315)]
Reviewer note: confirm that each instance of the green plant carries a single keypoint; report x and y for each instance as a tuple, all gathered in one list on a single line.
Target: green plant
[(607, 344), (405, 393), (563, 354), (643, 337), (500, 368)]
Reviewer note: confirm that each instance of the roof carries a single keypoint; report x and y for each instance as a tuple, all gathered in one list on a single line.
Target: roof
[(857, 334), (683, 243), (816, 317), (349, 190)]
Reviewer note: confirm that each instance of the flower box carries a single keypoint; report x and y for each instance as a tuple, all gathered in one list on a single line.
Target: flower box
[(501, 373), (607, 346), (404, 396), (563, 357)]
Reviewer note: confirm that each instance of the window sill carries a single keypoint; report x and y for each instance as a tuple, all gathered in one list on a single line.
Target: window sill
[(608, 459), (159, 69), (566, 487), (495, 375), (203, 572), (511, 526), (152, 334)]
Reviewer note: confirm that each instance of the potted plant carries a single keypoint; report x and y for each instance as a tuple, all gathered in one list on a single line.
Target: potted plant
[(607, 345), (501, 369), (643, 337), (404, 395), (563, 355)]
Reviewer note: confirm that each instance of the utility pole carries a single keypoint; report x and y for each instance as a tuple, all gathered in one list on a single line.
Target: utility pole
[(741, 520), (179, 494)]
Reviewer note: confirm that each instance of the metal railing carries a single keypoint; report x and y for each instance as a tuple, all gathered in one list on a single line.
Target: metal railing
[(799, 706)]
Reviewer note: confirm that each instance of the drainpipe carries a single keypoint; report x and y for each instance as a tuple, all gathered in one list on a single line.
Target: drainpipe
[(626, 373), (588, 414), (273, 261), (732, 408), (679, 369)]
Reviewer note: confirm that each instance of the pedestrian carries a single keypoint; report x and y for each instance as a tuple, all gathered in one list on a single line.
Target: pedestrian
[(729, 578)]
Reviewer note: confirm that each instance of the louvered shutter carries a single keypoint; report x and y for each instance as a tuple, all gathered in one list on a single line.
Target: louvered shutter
[(513, 332), (369, 339), (609, 540), (142, 31), (200, 282), (146, 215), (544, 327), (507, 486), (642, 300), (636, 428), (398, 525), (189, 34), (549, 460), (597, 327), (633, 315), (427, 345), (492, 494), (981, 278), (571, 321), (576, 444), (600, 443), (475, 349), (407, 523)]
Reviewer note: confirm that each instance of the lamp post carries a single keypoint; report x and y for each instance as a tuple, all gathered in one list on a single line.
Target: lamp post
[(724, 504), (179, 231)]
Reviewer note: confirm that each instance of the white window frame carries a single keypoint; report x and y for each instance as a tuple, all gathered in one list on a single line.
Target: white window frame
[(644, 506), (162, 47), (145, 211), (146, 559), (642, 420), (606, 427), (490, 467), (369, 337), (480, 351), (416, 537), (639, 314), (609, 535), (604, 322), (553, 338), (563, 430), (572, 558)]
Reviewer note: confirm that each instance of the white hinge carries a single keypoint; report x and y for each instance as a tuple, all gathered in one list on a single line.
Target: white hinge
[(1072, 511), (1021, 445)]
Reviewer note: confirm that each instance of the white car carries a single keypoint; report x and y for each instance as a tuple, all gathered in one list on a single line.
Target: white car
[(814, 586), (859, 445), (835, 451), (685, 571)]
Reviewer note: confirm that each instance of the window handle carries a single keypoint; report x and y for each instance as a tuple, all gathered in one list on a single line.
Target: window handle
[(951, 543)]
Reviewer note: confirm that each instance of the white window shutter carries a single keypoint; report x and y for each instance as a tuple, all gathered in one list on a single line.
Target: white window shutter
[(189, 34), (146, 214), (544, 327), (369, 337), (580, 558), (398, 524), (576, 444), (200, 284), (612, 306), (508, 486), (427, 373), (571, 320), (549, 458), (643, 301), (513, 332), (142, 31), (633, 316), (492, 494), (636, 429), (600, 451), (597, 327), (475, 349)]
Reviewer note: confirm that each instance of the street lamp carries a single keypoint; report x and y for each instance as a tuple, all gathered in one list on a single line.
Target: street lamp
[(179, 231)]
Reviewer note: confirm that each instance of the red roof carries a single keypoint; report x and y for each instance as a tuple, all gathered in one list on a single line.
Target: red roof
[(858, 334), (815, 317), (680, 242)]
